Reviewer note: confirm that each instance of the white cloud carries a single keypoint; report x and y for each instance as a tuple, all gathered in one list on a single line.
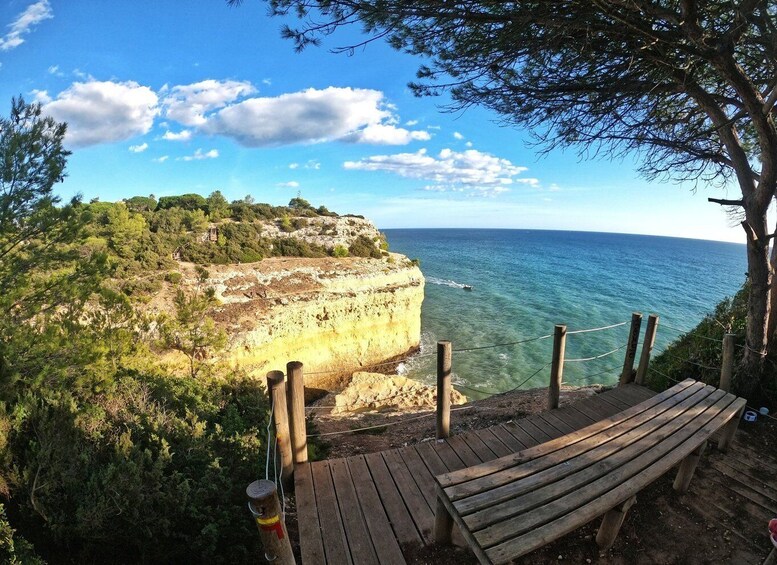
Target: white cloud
[(290, 184), (411, 123), (457, 135), (40, 96), (267, 81), (294, 166), (183, 135), (54, 70), (313, 164), (468, 144), (103, 112), (189, 103), (311, 116), (199, 155), (138, 148), (24, 22), (161, 159), (554, 188), (469, 171)]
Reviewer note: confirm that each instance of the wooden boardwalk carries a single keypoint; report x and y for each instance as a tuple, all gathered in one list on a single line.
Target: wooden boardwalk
[(379, 508)]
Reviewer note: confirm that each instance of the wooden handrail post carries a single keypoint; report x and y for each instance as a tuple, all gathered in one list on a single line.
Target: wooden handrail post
[(557, 365), (276, 388), (627, 375), (444, 363), (647, 349), (728, 362), (296, 404), (266, 510)]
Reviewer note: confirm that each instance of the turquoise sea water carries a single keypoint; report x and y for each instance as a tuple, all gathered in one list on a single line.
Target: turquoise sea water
[(525, 281)]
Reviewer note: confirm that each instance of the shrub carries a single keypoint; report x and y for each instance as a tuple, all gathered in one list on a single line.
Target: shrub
[(364, 247), (340, 251), (173, 277)]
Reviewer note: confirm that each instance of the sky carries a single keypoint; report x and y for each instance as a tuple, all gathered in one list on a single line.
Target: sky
[(173, 97)]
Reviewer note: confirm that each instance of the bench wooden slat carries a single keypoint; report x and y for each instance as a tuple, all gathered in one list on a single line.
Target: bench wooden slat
[(577, 472), (386, 546), (616, 487), (356, 533), (332, 533), (309, 528), (401, 522), (484, 476)]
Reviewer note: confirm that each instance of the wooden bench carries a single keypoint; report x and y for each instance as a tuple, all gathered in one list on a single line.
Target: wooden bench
[(510, 506)]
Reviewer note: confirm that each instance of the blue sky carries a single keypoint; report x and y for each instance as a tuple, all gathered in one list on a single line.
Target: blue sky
[(173, 97)]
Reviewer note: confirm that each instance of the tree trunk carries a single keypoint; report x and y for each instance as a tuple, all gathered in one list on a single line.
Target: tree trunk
[(759, 304)]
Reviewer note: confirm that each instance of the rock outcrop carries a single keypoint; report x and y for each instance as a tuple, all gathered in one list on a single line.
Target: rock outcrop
[(336, 315), (374, 391)]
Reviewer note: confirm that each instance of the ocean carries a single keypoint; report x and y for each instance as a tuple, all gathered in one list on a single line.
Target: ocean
[(526, 281)]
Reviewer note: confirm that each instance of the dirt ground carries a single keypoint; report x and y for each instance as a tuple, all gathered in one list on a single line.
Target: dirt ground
[(662, 528)]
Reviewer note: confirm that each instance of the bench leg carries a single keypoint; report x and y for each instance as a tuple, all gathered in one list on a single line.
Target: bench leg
[(443, 524), (611, 524), (685, 473), (728, 431)]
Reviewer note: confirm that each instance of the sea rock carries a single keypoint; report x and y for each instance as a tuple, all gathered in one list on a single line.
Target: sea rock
[(374, 391)]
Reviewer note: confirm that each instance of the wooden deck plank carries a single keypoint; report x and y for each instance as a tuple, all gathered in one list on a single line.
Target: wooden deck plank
[(494, 442), (420, 512), (748, 475), (520, 434), (307, 517), (383, 538), (573, 418), (629, 394), (431, 458), (476, 444), (423, 478), (557, 422), (595, 408), (401, 522), (448, 456), (356, 533), (464, 451), (746, 489), (332, 532), (611, 398), (539, 435), (507, 438)]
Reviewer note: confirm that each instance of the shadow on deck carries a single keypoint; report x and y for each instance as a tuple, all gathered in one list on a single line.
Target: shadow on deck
[(379, 508)]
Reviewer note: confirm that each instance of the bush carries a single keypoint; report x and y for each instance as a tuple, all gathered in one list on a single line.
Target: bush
[(153, 469), (173, 277), (290, 247), (285, 225), (340, 251), (364, 247)]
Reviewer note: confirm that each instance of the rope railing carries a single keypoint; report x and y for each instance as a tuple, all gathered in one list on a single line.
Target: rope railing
[(582, 359), (385, 425), (589, 330)]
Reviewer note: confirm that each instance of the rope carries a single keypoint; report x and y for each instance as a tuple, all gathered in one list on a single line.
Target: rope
[(759, 413), (384, 425), (493, 393), (269, 425), (663, 375), (596, 357), (481, 347), (693, 362), (598, 329), (368, 367), (611, 369), (712, 339)]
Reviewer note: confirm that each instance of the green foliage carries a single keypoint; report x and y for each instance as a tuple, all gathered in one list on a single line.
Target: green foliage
[(298, 204), (340, 251), (290, 247), (141, 203), (698, 353), (173, 277), (189, 202), (285, 225), (364, 247), (14, 549), (218, 206), (324, 211), (191, 331)]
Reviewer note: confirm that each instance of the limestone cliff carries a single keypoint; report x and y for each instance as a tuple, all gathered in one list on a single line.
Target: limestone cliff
[(333, 314)]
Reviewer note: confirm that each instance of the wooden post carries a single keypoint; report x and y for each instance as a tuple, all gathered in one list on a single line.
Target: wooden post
[(685, 473), (296, 403), (557, 365), (611, 524), (266, 510), (647, 349), (443, 523), (276, 388), (728, 362), (627, 375), (444, 361)]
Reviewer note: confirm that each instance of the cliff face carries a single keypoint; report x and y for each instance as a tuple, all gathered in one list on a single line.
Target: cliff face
[(334, 315)]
